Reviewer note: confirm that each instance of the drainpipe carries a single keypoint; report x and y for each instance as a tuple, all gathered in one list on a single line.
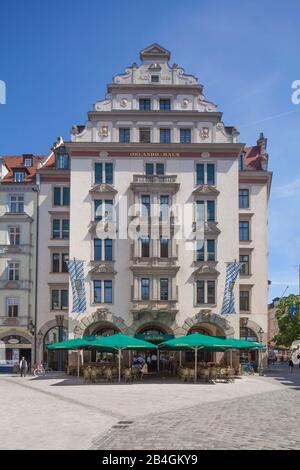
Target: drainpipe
[(37, 189)]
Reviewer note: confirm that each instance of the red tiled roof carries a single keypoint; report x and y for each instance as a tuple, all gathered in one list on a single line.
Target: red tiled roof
[(252, 159), (16, 162)]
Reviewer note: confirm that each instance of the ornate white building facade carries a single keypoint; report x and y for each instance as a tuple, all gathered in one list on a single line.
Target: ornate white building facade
[(155, 195), (156, 146)]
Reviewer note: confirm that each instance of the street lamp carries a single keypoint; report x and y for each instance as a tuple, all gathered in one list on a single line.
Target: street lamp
[(260, 337), (60, 322), (31, 327)]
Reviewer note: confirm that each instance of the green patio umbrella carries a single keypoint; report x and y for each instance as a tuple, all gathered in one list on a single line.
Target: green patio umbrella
[(198, 341), (119, 342), (77, 343)]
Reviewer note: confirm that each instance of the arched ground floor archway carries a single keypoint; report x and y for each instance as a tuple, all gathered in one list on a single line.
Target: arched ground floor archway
[(15, 344)]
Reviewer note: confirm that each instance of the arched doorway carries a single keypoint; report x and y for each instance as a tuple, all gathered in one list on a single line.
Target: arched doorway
[(155, 334), (208, 329), (53, 357), (15, 347), (100, 329), (247, 356)]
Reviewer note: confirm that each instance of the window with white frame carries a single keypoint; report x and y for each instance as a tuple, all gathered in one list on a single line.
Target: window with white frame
[(205, 173), (13, 271), (14, 235), (206, 250), (16, 203), (205, 291), (19, 176), (59, 299), (12, 307)]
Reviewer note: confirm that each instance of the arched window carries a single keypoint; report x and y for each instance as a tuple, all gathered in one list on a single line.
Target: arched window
[(52, 357), (247, 334)]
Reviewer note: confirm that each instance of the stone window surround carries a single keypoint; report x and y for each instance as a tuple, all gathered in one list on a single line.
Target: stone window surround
[(102, 278), (248, 288), (154, 286), (154, 249), (246, 209), (103, 161), (205, 162), (205, 250), (205, 279), (58, 185), (59, 287)]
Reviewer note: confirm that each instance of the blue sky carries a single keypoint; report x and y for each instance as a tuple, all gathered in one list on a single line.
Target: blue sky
[(56, 58)]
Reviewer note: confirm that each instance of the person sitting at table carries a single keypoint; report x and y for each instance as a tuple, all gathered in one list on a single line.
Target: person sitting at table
[(144, 370), (140, 360)]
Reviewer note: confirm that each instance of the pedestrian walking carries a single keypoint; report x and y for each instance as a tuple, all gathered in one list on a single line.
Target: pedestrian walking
[(23, 367), (291, 365)]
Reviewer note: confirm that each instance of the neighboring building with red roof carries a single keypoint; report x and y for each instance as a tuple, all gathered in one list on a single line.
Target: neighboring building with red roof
[(18, 245)]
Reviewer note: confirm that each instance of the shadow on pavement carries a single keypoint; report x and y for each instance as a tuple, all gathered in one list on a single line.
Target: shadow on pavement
[(280, 372)]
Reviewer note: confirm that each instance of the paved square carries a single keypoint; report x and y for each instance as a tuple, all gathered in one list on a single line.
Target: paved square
[(63, 413)]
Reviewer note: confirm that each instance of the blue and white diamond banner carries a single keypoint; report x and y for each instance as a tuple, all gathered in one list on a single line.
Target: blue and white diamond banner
[(232, 271), (76, 273)]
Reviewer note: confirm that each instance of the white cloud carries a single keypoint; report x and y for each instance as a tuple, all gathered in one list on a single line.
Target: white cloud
[(287, 190)]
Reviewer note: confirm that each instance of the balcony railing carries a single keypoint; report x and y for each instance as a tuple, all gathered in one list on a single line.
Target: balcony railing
[(155, 305), (154, 179), (154, 182)]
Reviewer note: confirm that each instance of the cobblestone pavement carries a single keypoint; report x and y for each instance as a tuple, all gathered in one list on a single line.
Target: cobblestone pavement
[(268, 420), (62, 413)]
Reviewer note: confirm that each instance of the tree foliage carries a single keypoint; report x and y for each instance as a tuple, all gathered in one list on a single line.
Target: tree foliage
[(288, 325)]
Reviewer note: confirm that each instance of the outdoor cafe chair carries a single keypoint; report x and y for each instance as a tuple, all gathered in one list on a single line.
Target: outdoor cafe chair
[(87, 375), (108, 374), (127, 375), (213, 374), (185, 374), (206, 375)]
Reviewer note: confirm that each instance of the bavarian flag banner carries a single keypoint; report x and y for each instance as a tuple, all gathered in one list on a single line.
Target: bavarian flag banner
[(76, 273), (232, 271)]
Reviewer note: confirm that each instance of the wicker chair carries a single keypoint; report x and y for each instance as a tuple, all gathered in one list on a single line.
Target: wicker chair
[(185, 374), (87, 375), (108, 374), (206, 375), (127, 375), (213, 375), (191, 376)]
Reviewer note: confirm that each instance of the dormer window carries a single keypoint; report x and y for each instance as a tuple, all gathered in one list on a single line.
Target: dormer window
[(62, 159), (27, 161), (19, 176), (154, 78)]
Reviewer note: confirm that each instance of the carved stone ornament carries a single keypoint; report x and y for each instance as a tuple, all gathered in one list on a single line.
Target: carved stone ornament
[(103, 154), (205, 154), (205, 270), (204, 133), (103, 131), (102, 269), (205, 190), (185, 103), (124, 102)]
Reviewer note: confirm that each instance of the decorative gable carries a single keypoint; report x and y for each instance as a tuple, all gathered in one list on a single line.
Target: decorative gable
[(155, 52), (103, 188), (205, 270), (102, 268), (205, 190)]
